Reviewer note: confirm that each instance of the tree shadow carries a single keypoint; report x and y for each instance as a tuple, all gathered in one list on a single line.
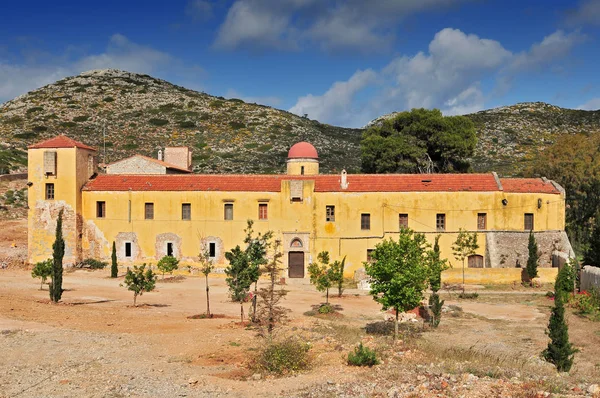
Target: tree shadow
[(91, 302)]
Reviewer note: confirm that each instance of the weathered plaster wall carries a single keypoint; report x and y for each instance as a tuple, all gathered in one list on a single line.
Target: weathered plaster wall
[(179, 156)]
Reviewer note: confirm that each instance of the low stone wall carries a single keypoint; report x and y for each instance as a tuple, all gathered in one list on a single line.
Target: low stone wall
[(590, 278), (13, 177), (489, 276)]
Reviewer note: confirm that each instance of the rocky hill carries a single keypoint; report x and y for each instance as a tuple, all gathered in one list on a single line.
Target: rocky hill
[(141, 114)]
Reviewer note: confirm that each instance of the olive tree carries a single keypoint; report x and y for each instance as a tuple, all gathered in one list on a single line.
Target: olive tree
[(42, 270), (399, 272), (139, 280), (167, 264)]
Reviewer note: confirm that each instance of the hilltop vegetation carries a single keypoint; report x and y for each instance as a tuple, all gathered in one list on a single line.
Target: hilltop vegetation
[(141, 114)]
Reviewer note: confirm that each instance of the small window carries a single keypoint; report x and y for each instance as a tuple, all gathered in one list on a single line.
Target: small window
[(482, 221), (170, 249), (440, 222), (365, 221), (100, 209), (370, 255), (330, 213), (403, 221), (128, 249), (149, 211), (301, 170), (50, 163), (50, 191), (212, 250), (528, 221), (228, 211), (186, 211), (262, 211)]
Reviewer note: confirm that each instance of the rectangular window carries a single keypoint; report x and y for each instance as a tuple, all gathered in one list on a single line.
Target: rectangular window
[(49, 191), (440, 222), (403, 220), (330, 213), (262, 211), (186, 211), (370, 255), (127, 249), (50, 163), (149, 211), (212, 250), (365, 221), (100, 209), (228, 211), (169, 249), (482, 221), (528, 221)]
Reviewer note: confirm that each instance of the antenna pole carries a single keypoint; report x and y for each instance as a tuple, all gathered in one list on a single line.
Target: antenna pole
[(104, 136)]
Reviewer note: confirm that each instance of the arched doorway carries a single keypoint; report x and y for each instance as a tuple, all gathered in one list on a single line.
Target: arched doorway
[(475, 261), (296, 259)]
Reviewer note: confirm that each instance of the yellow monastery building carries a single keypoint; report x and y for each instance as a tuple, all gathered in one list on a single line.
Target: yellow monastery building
[(157, 207)]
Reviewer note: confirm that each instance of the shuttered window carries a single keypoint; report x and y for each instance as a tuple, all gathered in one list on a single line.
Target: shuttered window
[(365, 221), (528, 221), (50, 163), (482, 221), (186, 211), (149, 211), (49, 191)]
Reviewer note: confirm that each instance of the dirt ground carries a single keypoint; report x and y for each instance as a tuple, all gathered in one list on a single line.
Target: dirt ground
[(96, 344)]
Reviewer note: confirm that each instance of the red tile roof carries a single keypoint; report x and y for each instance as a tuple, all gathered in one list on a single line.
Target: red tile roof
[(61, 141), (165, 164), (528, 185), (323, 183)]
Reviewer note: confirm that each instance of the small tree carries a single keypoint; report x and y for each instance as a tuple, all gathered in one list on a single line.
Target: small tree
[(436, 266), (206, 267), (269, 312), (114, 268), (464, 246), (322, 274), (560, 352), (167, 264), (592, 253), (58, 252), (338, 274), (239, 276), (139, 280), (42, 270), (399, 272), (565, 281), (256, 251), (534, 257)]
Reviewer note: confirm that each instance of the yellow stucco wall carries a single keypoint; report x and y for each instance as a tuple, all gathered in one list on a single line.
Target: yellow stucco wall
[(495, 275)]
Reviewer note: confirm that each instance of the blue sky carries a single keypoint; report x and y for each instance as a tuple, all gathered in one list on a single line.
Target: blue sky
[(342, 62)]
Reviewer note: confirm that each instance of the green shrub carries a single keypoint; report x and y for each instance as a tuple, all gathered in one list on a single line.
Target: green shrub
[(167, 264), (283, 357), (92, 263), (216, 104), (158, 122), (82, 118), (26, 135), (108, 99), (188, 124), (326, 309), (129, 146), (468, 295), (35, 109), (237, 125), (68, 124), (362, 356), (39, 129), (205, 116), (42, 270)]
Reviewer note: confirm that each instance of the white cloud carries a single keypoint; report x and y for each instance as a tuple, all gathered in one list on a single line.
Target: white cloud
[(329, 24), (551, 48), (120, 53), (201, 10), (591, 105), (587, 13), (268, 100), (337, 106)]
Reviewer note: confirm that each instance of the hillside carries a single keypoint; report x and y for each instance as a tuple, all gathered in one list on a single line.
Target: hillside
[(141, 114)]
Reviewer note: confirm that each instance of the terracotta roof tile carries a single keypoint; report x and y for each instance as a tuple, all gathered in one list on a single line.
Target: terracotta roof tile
[(323, 183), (61, 141), (528, 185)]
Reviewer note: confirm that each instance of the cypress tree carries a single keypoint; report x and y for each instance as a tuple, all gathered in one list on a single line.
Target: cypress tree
[(58, 252), (114, 269), (560, 351), (532, 260)]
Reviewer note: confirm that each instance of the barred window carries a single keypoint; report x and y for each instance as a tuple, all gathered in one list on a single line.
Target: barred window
[(186, 211), (330, 213), (49, 191), (403, 220), (440, 222), (365, 221), (149, 211)]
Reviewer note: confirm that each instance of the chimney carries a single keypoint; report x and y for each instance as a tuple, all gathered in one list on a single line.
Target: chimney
[(344, 182), (179, 156), (160, 157)]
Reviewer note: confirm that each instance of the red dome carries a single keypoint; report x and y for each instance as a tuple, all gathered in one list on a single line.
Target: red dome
[(303, 150)]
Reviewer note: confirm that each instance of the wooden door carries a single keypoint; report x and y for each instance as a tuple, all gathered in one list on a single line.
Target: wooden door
[(476, 261), (296, 264)]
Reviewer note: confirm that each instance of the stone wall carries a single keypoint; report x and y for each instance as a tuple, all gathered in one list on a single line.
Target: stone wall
[(135, 165), (590, 278), (179, 156), (509, 249)]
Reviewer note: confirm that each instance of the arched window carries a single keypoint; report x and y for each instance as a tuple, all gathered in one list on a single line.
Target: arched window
[(297, 243), (476, 261)]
